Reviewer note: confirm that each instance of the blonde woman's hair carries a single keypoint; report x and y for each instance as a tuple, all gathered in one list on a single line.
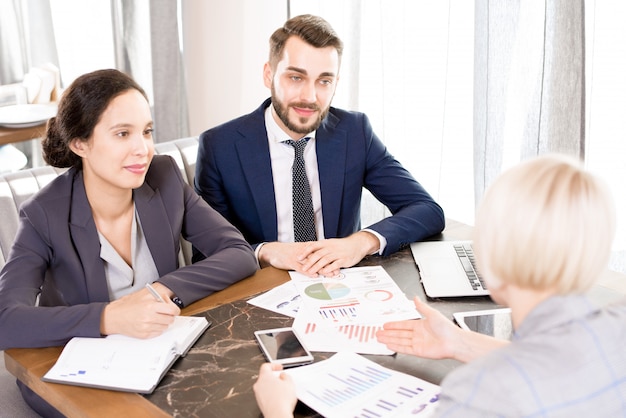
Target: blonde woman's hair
[(545, 224)]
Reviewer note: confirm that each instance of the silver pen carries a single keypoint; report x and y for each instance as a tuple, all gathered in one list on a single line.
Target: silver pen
[(156, 294)]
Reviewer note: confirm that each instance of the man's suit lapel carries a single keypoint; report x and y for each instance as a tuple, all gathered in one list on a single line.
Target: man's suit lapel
[(87, 244), (256, 164), (331, 149)]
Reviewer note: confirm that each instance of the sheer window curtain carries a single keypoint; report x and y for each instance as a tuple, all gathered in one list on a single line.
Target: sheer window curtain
[(144, 42), (409, 66), (459, 91), (529, 83), (26, 38), (605, 35), (147, 46)]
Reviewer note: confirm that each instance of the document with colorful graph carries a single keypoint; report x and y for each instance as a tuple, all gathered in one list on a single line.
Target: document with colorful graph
[(349, 385), (344, 312)]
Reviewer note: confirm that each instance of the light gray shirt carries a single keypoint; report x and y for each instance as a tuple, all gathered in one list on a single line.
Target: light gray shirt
[(123, 279), (567, 359)]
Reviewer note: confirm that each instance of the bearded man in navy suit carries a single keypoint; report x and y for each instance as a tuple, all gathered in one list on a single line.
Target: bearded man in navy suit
[(244, 167)]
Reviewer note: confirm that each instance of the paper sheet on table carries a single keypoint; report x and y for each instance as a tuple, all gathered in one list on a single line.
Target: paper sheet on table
[(356, 338), (357, 295), (283, 299), (344, 312), (348, 384)]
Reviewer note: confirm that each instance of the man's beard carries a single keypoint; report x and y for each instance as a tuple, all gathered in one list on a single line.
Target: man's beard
[(283, 114)]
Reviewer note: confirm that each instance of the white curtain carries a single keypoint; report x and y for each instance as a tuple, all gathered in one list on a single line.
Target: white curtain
[(460, 91), (529, 83), (138, 37), (26, 38), (148, 47), (409, 66), (605, 37)]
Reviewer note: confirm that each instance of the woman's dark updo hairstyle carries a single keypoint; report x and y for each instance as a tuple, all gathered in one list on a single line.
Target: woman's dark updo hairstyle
[(80, 109)]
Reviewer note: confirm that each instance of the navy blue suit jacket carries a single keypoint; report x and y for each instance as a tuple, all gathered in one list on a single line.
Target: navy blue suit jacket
[(234, 175)]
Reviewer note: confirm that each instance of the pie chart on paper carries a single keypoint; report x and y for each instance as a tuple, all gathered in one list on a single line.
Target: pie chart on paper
[(327, 291), (379, 295)]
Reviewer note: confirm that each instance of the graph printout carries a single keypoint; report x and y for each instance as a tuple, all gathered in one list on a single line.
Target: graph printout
[(349, 385), (354, 337), (357, 295), (344, 312), (283, 299)]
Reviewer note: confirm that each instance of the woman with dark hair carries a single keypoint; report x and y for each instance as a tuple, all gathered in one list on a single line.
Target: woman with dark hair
[(90, 241)]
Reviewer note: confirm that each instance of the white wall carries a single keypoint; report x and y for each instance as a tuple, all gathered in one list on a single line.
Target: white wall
[(222, 81)]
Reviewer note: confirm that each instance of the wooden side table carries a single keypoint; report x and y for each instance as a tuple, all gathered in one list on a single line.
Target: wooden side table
[(13, 135), (18, 135)]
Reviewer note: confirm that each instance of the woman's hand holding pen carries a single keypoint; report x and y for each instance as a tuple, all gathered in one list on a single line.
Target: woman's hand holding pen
[(140, 314)]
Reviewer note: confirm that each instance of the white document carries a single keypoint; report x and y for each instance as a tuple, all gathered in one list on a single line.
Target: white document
[(357, 338), (344, 312), (348, 384), (357, 295), (283, 299), (123, 363)]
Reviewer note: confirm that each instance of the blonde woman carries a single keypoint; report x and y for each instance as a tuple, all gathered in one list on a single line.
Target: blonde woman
[(543, 235)]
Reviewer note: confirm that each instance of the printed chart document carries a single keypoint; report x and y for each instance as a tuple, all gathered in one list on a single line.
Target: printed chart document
[(283, 299), (348, 385), (344, 312), (123, 363)]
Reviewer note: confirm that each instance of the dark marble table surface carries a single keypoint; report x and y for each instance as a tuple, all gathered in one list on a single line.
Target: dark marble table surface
[(215, 378)]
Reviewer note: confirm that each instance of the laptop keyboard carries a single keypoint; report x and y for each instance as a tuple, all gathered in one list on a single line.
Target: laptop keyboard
[(466, 256)]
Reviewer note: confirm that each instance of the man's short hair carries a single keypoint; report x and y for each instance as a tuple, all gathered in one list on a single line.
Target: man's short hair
[(312, 29), (545, 224)]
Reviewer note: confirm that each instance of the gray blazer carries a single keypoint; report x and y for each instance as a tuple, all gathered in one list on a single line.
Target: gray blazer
[(55, 258)]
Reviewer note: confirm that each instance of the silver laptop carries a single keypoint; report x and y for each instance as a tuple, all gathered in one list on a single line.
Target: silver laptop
[(447, 269)]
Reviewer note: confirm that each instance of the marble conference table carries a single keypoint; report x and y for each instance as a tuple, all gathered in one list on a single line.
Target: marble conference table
[(215, 378)]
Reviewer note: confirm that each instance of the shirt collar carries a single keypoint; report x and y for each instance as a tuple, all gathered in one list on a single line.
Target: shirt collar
[(274, 132), (554, 312)]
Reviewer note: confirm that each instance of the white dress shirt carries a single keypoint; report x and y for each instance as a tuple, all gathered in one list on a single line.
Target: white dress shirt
[(281, 156)]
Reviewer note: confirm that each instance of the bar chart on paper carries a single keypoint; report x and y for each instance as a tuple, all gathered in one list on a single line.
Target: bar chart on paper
[(358, 295), (353, 333), (355, 338), (340, 312), (345, 312), (350, 385)]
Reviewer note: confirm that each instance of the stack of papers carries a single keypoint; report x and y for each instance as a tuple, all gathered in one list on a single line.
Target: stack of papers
[(341, 313)]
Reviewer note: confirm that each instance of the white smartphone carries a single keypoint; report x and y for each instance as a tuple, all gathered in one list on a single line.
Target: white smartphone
[(282, 345)]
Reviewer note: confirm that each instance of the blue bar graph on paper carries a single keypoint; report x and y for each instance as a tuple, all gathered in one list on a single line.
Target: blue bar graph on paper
[(360, 380), (350, 385)]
